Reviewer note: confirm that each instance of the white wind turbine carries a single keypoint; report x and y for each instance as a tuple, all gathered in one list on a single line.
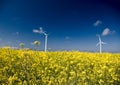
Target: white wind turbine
[(100, 43), (40, 31)]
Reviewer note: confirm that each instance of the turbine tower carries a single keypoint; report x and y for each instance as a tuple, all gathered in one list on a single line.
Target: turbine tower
[(46, 37), (40, 31), (100, 43)]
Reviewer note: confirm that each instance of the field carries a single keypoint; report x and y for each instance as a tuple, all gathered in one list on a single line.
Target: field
[(27, 67)]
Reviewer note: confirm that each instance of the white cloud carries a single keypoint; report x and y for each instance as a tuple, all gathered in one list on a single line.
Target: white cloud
[(107, 31), (97, 23)]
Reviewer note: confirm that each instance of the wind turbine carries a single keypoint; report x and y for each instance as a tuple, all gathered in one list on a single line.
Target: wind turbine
[(40, 31), (100, 43)]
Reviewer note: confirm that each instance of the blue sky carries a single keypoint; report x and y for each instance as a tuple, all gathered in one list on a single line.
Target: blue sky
[(71, 24)]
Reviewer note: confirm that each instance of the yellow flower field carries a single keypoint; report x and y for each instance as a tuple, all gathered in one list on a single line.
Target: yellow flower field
[(27, 67)]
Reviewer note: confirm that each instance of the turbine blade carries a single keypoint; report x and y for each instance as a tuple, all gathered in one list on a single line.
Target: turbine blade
[(41, 30), (97, 43), (99, 37), (103, 43), (36, 31)]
